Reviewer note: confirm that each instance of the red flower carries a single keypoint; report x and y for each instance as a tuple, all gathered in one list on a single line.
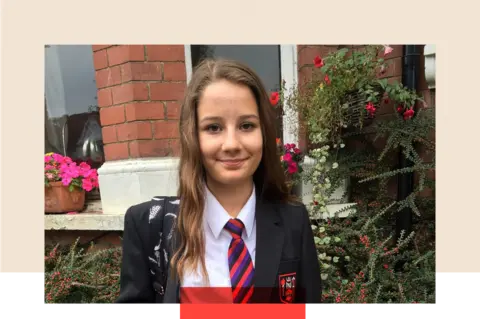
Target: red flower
[(408, 114), (287, 157), (292, 167), (327, 79), (385, 266), (370, 108), (386, 100), (274, 98), (315, 203), (400, 109), (278, 141), (318, 62), (297, 151)]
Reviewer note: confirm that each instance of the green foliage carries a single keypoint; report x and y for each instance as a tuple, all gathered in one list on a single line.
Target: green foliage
[(75, 276), (361, 260)]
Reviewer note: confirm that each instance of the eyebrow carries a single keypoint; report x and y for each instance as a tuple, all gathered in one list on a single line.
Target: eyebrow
[(218, 118)]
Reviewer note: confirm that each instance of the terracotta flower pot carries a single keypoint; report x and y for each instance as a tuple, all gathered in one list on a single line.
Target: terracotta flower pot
[(58, 199)]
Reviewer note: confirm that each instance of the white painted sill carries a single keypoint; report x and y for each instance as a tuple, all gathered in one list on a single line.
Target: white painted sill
[(92, 218)]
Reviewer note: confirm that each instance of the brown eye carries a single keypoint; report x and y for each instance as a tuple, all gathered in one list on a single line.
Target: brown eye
[(247, 126), (213, 128)]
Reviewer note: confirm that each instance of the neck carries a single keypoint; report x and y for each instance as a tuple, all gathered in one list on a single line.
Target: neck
[(231, 197)]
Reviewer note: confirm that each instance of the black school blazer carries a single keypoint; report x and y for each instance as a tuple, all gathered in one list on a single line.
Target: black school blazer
[(286, 266)]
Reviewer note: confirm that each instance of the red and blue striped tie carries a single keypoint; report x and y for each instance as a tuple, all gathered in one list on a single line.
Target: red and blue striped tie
[(240, 262)]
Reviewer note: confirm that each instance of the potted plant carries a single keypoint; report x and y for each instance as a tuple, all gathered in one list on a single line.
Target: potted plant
[(66, 183)]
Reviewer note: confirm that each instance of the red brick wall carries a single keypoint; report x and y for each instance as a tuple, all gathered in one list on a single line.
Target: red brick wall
[(140, 88)]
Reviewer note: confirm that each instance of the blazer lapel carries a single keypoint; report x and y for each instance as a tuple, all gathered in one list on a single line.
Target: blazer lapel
[(269, 245)]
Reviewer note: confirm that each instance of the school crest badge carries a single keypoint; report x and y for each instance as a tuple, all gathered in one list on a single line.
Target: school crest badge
[(287, 283)]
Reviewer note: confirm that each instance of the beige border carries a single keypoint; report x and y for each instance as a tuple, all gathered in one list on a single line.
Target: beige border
[(28, 25)]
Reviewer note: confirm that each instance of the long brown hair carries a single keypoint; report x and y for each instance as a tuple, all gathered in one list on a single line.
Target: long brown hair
[(269, 177)]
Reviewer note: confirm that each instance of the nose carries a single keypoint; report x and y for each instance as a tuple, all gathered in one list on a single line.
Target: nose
[(231, 141)]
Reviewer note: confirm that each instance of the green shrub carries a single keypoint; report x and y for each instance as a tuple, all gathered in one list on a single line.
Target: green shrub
[(75, 276)]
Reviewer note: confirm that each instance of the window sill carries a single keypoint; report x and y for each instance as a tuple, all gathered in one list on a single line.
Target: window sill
[(92, 218)]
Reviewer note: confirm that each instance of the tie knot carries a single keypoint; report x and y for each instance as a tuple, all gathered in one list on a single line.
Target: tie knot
[(235, 227)]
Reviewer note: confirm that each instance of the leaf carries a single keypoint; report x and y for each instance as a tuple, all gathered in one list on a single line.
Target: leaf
[(317, 240), (322, 229), (324, 276), (337, 239), (342, 52), (335, 259), (344, 281)]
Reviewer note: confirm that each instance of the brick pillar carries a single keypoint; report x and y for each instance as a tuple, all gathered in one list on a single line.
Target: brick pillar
[(140, 88)]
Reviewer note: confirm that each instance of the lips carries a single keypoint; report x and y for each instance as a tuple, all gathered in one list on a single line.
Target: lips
[(233, 162)]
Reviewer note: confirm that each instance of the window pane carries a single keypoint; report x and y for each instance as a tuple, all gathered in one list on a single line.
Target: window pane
[(263, 59), (72, 123)]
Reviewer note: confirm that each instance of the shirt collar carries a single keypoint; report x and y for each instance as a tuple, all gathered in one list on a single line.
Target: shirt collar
[(217, 216)]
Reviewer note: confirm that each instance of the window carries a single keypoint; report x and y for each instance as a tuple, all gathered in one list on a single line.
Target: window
[(72, 122), (263, 59)]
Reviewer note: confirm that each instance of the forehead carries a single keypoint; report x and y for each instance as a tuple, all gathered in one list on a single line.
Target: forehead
[(226, 97)]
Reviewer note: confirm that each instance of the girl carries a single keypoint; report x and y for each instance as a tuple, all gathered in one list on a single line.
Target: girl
[(239, 236)]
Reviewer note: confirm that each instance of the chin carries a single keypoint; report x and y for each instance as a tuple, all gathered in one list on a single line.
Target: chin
[(232, 178)]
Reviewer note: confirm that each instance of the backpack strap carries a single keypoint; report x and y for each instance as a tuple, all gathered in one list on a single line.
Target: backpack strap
[(162, 218)]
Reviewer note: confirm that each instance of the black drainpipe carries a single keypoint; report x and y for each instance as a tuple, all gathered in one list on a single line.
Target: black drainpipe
[(411, 59)]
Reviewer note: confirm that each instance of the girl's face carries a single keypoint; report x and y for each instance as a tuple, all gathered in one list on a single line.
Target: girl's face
[(229, 133)]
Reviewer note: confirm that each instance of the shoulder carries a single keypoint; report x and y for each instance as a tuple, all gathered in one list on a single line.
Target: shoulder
[(293, 214), (138, 213), (144, 212)]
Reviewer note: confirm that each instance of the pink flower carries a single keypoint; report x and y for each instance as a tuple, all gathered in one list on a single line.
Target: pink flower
[(48, 158), (66, 180), (297, 151), (388, 50), (49, 176), (57, 158), (292, 167), (87, 184), (287, 157), (49, 167)]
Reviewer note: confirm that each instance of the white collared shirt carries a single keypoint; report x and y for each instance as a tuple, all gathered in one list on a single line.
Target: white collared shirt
[(217, 240)]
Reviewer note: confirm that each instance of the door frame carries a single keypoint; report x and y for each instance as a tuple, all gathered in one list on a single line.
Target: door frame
[(288, 72)]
